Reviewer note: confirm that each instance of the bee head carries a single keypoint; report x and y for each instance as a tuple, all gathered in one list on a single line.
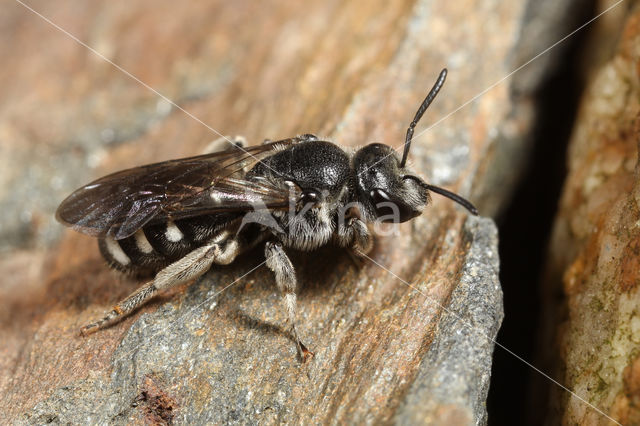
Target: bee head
[(386, 188)]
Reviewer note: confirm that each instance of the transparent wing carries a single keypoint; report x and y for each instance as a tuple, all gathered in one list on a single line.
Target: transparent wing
[(123, 202)]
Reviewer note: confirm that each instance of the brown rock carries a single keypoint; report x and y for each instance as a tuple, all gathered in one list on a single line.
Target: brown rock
[(595, 246), (384, 350)]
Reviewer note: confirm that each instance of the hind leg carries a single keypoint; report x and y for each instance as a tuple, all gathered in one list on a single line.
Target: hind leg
[(189, 267)]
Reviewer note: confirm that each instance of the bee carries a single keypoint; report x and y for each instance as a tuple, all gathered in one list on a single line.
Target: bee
[(173, 220)]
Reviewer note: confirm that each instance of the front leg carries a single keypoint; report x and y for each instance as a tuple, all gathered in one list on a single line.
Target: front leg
[(362, 239), (279, 263), (355, 235), (352, 232)]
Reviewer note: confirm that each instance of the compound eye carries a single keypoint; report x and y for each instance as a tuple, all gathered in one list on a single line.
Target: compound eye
[(389, 209)]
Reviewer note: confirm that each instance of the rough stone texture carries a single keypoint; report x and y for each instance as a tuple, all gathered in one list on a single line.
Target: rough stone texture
[(447, 391), (594, 250), (337, 69), (204, 375)]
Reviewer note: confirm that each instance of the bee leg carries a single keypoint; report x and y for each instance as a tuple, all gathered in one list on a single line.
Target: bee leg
[(224, 143), (354, 234), (281, 266), (362, 240), (187, 268)]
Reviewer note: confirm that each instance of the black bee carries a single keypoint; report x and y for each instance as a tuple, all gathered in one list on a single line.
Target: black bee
[(176, 218)]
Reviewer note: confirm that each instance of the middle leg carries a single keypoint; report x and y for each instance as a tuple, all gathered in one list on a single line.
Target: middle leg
[(279, 263)]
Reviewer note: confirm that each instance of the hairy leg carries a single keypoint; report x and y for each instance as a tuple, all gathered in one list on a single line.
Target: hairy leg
[(279, 263), (189, 267), (362, 240), (354, 234)]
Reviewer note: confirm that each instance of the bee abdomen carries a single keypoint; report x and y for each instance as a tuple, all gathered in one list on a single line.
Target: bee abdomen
[(156, 246)]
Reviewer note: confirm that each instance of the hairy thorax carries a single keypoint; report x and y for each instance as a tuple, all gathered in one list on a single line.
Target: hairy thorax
[(307, 231)]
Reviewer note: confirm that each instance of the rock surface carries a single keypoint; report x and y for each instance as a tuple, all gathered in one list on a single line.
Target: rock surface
[(219, 357), (594, 252), (385, 351)]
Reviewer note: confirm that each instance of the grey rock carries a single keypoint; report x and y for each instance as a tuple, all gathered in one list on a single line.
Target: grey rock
[(213, 382), (453, 380)]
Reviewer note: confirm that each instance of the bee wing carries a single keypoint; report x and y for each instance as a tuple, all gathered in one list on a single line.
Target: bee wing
[(121, 203)]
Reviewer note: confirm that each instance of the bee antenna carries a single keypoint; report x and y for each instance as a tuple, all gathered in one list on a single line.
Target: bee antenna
[(423, 107), (455, 197)]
